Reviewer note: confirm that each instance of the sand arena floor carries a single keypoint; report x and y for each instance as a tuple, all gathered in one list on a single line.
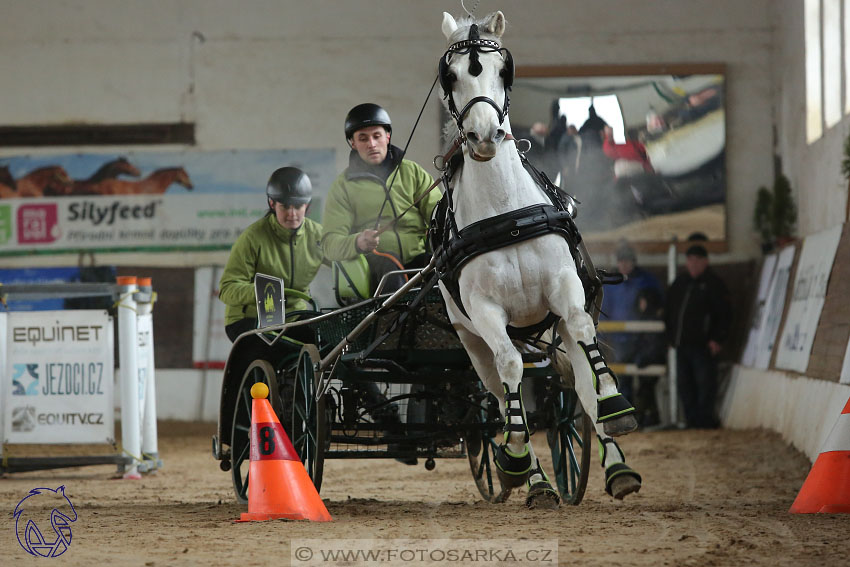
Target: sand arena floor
[(709, 498)]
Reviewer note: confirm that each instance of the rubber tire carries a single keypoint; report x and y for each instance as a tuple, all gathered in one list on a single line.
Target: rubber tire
[(308, 431)]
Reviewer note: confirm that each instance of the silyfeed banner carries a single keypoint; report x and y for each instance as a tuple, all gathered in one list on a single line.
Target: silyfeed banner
[(155, 201)]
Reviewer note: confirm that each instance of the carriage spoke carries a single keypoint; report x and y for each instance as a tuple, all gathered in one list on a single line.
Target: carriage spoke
[(246, 398), (244, 491)]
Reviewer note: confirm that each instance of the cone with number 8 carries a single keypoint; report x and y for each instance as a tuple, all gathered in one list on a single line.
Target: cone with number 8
[(279, 486)]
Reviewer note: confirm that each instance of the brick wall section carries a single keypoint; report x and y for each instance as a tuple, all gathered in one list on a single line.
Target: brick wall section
[(833, 330)]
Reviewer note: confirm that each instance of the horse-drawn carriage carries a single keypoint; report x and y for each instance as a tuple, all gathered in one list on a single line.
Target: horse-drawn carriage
[(388, 378), (397, 376)]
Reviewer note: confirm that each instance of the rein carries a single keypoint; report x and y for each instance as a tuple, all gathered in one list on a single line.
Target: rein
[(444, 160), (445, 157)]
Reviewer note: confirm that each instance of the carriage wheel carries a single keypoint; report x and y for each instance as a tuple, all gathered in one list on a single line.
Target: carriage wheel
[(309, 429), (570, 438), (480, 446), (240, 435)]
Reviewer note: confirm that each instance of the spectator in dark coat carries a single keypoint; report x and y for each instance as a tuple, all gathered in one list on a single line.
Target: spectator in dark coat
[(698, 318)]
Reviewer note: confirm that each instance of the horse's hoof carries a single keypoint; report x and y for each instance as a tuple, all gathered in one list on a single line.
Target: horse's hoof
[(620, 425), (543, 497), (511, 480), (512, 469), (624, 485), (501, 497), (621, 480)]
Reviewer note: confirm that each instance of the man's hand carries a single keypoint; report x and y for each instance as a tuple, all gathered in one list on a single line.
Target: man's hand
[(714, 347), (367, 240)]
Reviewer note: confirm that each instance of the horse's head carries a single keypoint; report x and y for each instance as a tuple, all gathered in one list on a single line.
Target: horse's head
[(477, 69), (181, 177), (49, 174), (114, 168)]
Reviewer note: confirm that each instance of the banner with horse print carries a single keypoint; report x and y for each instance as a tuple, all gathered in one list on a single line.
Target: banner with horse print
[(152, 201)]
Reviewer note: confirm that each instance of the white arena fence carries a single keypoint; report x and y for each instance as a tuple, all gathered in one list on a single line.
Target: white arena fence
[(58, 376)]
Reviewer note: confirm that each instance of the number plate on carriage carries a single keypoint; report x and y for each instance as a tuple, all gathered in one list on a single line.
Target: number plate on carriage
[(268, 291)]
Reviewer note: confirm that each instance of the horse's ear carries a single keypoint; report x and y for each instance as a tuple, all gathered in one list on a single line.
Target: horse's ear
[(449, 25), (495, 24)]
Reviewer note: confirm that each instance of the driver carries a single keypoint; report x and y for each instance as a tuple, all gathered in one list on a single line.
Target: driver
[(284, 243), (377, 186)]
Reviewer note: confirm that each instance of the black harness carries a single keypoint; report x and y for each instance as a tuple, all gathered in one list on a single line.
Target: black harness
[(453, 248)]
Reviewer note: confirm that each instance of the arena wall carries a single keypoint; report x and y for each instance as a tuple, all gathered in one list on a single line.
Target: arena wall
[(803, 407)]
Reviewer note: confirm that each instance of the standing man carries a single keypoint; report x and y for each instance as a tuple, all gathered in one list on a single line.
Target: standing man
[(284, 243), (376, 187), (698, 317)]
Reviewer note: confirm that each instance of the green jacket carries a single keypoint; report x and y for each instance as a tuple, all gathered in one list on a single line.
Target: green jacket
[(266, 247), (355, 198)]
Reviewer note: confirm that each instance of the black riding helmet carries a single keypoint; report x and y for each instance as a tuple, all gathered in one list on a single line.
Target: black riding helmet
[(290, 186), (366, 114)]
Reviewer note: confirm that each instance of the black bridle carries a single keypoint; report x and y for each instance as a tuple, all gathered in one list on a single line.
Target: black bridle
[(474, 46)]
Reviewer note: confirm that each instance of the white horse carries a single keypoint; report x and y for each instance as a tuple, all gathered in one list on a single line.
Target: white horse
[(519, 284)]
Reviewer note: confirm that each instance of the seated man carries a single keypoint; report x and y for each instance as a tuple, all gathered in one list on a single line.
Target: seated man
[(376, 187), (283, 244)]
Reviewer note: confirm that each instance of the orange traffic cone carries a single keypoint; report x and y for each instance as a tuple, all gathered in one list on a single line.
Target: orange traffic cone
[(827, 488), (279, 486)]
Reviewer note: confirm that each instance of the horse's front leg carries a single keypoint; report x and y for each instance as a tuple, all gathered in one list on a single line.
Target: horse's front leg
[(516, 463), (595, 383)]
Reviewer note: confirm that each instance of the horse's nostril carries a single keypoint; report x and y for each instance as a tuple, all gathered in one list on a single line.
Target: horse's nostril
[(472, 137)]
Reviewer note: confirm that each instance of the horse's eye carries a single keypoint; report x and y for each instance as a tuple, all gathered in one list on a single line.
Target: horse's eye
[(451, 77)]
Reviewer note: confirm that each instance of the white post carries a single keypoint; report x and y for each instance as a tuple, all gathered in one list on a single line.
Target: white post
[(128, 339), (671, 352), (150, 446)]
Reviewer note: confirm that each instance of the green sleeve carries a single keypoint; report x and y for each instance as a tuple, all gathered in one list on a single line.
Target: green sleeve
[(337, 242), (426, 205), (237, 282)]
